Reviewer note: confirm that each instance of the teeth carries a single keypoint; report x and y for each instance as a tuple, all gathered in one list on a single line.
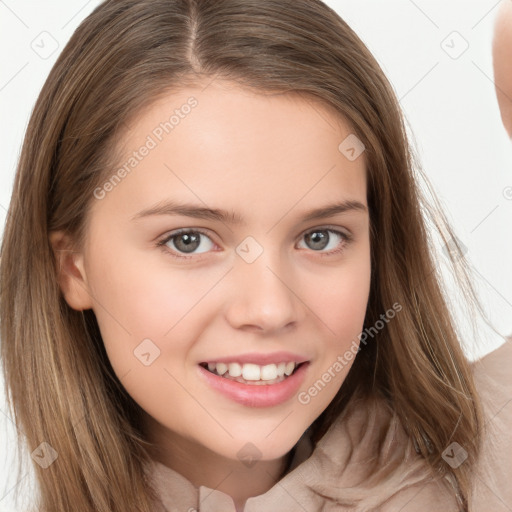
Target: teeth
[(235, 370), (289, 368), (221, 368), (269, 372), (253, 372)]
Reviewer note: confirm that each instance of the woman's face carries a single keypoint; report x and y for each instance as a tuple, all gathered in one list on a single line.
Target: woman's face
[(258, 279)]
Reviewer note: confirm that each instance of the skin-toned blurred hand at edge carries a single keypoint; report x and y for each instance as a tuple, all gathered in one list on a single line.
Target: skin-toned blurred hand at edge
[(502, 62)]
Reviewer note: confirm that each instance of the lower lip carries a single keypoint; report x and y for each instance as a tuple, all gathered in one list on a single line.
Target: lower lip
[(249, 395)]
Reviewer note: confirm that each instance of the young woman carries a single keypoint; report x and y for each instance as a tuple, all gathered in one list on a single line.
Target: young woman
[(218, 288)]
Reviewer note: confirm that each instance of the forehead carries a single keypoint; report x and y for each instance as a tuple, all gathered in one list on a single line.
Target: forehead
[(226, 144)]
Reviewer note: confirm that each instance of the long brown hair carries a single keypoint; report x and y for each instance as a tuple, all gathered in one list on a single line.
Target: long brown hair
[(127, 53)]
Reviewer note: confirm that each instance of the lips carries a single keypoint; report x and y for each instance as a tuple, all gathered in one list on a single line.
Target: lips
[(256, 394)]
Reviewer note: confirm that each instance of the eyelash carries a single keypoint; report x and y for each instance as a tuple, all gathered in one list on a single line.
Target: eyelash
[(173, 254)]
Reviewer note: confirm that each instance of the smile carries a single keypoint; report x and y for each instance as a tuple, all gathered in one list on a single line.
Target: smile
[(266, 386), (250, 373)]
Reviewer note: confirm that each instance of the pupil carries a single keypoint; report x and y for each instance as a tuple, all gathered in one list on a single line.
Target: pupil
[(189, 240), (318, 237)]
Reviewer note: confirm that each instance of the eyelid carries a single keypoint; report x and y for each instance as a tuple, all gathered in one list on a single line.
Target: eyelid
[(345, 234), (207, 232), (168, 236), (329, 227), (179, 231)]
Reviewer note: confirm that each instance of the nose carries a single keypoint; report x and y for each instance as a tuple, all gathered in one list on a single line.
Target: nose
[(263, 296)]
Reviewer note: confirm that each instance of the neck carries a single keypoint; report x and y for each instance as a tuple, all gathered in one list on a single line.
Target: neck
[(202, 467)]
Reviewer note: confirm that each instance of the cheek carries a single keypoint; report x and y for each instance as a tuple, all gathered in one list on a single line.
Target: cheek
[(141, 296), (341, 305), (139, 302), (134, 302), (341, 311)]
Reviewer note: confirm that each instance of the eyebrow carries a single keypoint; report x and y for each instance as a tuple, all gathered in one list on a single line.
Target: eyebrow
[(230, 217)]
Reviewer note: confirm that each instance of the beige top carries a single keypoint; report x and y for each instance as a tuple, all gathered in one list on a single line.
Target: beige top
[(334, 477)]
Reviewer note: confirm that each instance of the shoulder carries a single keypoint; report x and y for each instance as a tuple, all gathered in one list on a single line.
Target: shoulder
[(424, 497), (493, 381), (366, 458), (494, 368)]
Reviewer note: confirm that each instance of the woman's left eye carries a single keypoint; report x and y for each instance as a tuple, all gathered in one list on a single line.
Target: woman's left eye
[(321, 238), (187, 241)]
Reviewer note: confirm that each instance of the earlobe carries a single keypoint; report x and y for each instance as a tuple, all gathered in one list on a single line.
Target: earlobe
[(70, 272)]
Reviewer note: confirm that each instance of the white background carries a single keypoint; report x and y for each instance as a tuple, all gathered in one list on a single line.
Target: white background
[(449, 103)]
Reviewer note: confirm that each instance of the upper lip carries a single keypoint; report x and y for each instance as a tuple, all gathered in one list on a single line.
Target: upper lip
[(261, 359)]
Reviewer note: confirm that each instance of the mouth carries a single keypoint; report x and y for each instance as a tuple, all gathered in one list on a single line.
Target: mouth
[(253, 385), (254, 374)]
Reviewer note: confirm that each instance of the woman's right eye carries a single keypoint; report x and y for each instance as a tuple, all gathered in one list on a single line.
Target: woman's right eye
[(185, 241)]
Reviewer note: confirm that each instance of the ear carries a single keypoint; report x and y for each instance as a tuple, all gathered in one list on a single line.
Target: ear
[(70, 271)]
